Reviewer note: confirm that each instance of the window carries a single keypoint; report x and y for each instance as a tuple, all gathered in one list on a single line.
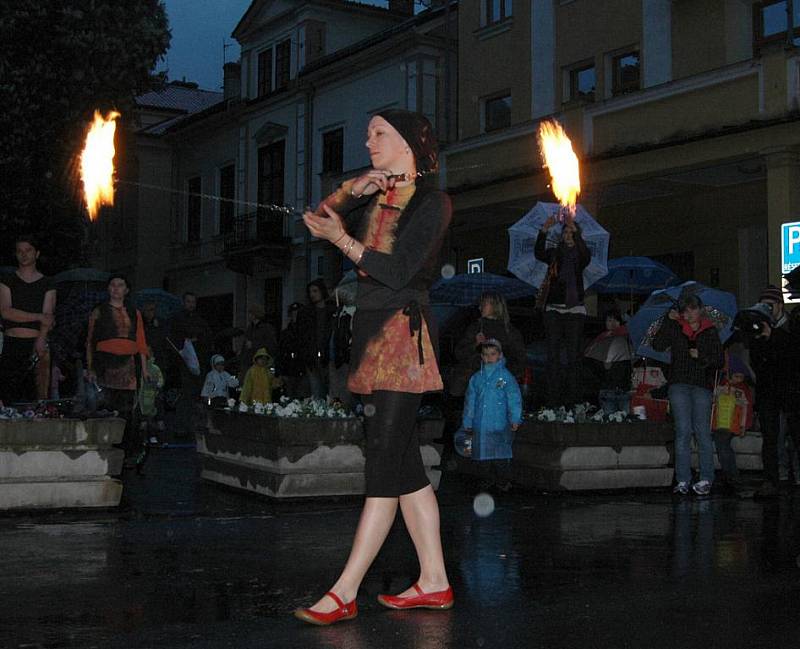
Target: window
[(770, 23), (269, 79), (333, 151), (625, 71), (265, 72), (497, 113), (227, 192), (270, 173), (194, 187), (496, 11), (582, 82), (282, 59)]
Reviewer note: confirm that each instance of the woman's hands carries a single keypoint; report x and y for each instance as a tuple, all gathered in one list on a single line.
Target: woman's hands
[(374, 180), (549, 223), (328, 227)]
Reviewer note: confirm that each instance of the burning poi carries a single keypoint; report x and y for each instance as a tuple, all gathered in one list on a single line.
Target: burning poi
[(97, 163), (562, 163)]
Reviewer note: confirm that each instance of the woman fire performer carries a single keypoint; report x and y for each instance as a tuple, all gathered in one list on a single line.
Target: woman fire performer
[(393, 233), (114, 340)]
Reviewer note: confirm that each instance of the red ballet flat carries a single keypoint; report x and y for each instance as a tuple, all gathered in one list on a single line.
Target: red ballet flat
[(344, 612), (442, 599)]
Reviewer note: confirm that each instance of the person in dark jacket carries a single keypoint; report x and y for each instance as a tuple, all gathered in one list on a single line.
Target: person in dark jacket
[(564, 310), (259, 333), (493, 322), (290, 366), (190, 325), (315, 322), (774, 358), (393, 233), (696, 352)]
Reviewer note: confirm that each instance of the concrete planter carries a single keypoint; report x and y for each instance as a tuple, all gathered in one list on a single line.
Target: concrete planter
[(572, 457), (296, 457), (57, 463)]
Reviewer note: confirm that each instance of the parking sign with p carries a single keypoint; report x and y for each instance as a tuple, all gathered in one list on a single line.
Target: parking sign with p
[(790, 253)]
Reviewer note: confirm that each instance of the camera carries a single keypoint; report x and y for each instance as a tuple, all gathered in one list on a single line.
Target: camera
[(750, 321)]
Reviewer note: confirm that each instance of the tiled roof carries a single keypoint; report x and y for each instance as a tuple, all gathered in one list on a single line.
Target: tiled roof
[(181, 98)]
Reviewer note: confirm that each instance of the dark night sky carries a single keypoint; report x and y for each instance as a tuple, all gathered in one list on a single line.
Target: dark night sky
[(198, 29)]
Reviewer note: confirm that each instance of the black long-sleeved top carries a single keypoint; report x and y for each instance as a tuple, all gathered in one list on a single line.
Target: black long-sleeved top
[(683, 368), (558, 289)]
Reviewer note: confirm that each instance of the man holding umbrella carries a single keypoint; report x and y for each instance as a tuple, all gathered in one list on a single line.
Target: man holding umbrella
[(696, 356)]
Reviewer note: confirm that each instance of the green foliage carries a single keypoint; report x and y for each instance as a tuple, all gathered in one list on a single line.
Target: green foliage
[(59, 61)]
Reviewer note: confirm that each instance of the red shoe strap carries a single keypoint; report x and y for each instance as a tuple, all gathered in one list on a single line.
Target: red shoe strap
[(418, 589), (335, 598)]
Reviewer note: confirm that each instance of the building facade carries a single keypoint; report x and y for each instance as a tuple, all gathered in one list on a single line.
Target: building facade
[(682, 112), (291, 126)]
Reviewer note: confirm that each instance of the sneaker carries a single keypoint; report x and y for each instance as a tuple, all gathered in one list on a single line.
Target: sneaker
[(681, 488), (702, 488)]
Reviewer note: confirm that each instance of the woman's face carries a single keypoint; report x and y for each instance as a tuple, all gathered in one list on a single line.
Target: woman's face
[(117, 288), (487, 309), (387, 148)]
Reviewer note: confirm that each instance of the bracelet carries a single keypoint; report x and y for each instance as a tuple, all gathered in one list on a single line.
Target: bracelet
[(360, 257), (344, 232), (349, 247)]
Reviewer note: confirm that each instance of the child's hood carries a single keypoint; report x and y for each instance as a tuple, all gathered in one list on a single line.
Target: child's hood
[(489, 369)]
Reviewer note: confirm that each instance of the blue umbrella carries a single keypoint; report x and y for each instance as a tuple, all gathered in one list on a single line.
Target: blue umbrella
[(466, 289), (640, 275), (522, 238), (167, 304), (719, 306)]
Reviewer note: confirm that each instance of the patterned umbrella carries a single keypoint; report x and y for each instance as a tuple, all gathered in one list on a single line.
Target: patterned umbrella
[(465, 289), (719, 306), (522, 238), (640, 275)]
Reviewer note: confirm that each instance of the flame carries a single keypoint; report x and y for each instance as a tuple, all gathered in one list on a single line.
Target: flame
[(560, 159), (97, 163)]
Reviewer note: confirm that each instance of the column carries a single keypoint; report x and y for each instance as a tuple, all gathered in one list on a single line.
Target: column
[(656, 42), (783, 201), (543, 52)]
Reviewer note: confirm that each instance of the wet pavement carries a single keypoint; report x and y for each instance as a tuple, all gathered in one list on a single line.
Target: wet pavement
[(190, 564)]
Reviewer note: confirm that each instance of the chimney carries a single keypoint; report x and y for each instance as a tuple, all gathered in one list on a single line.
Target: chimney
[(232, 80), (402, 7)]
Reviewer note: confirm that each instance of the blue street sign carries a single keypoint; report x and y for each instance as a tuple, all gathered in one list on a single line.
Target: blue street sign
[(475, 265), (790, 246)]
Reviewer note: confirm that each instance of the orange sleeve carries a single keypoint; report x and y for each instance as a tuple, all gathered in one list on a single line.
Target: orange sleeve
[(141, 343)]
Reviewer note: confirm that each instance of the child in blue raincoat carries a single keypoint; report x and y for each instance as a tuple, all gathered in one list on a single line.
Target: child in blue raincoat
[(492, 412)]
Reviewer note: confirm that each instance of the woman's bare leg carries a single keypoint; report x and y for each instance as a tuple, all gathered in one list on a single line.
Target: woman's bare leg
[(421, 515), (373, 526)]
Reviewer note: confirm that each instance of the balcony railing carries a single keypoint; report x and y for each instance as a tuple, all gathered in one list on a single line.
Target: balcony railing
[(263, 227), (257, 240)]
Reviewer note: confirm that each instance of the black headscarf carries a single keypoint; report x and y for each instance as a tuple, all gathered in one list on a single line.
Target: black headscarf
[(417, 131)]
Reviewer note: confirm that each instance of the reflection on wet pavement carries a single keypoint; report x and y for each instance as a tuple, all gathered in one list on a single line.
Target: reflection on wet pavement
[(186, 564)]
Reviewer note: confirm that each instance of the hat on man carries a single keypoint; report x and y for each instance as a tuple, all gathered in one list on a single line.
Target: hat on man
[(771, 294)]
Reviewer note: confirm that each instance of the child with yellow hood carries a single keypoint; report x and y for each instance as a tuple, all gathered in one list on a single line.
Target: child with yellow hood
[(258, 380)]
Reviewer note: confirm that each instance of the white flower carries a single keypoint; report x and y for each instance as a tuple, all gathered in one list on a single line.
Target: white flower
[(243, 407)]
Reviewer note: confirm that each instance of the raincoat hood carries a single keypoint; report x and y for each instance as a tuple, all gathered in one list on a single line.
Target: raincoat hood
[(216, 359), (262, 352)]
